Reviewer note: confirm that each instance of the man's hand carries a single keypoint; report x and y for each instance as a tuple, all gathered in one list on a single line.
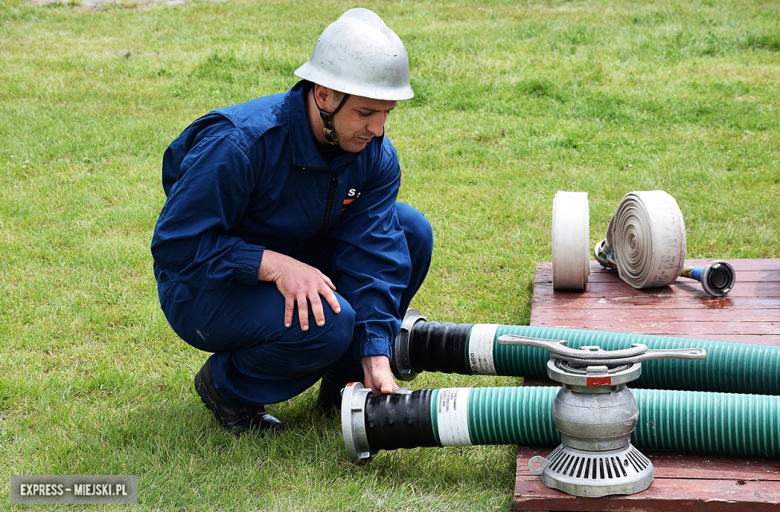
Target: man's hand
[(301, 283), (378, 376)]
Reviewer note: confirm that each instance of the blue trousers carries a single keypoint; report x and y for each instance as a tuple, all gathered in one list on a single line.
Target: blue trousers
[(256, 359)]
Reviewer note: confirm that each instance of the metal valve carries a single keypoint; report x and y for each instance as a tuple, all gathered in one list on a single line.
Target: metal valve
[(595, 414)]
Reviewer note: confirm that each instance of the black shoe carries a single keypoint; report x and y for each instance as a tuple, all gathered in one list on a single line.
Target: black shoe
[(329, 398), (235, 418)]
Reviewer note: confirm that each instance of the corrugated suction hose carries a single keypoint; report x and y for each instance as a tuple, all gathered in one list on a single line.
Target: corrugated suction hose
[(473, 349), (708, 423)]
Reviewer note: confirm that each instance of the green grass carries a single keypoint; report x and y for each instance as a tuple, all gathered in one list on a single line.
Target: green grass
[(514, 101)]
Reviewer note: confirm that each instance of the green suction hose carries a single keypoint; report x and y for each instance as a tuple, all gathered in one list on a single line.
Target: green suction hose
[(715, 423), (700, 422), (471, 349), (729, 367)]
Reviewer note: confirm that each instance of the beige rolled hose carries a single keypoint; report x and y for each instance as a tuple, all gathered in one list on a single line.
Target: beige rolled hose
[(570, 241), (647, 238)]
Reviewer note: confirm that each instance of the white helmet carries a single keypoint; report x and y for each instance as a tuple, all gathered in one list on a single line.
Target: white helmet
[(359, 55)]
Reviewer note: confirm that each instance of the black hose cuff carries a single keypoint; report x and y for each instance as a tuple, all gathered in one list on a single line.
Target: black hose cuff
[(439, 347), (399, 421)]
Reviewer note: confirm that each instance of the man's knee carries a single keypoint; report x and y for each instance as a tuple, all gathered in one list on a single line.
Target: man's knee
[(297, 353), (418, 232), (338, 327)]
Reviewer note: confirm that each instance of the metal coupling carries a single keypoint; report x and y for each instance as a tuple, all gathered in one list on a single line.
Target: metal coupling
[(353, 422), (717, 278), (402, 362)]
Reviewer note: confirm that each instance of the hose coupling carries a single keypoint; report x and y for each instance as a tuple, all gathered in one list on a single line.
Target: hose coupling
[(717, 278)]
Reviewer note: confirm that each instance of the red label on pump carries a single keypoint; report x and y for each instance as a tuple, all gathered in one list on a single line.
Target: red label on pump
[(598, 382)]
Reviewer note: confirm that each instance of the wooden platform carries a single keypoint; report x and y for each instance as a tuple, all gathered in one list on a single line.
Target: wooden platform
[(683, 483), (750, 313)]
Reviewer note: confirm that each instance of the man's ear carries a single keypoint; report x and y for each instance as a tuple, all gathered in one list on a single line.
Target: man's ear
[(324, 96), (328, 99)]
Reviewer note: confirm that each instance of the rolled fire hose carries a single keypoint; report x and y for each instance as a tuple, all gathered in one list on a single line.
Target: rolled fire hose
[(646, 237), (645, 243), (570, 241), (473, 349), (708, 423)]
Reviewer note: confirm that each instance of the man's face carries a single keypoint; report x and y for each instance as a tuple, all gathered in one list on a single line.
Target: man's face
[(360, 120)]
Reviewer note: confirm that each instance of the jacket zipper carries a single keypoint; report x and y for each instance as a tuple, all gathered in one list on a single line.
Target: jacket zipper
[(329, 204)]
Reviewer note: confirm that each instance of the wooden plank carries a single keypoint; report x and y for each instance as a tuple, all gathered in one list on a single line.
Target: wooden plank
[(603, 275), (666, 328), (746, 271), (675, 465), (739, 265), (682, 483), (690, 289), (740, 338), (646, 313), (748, 276), (748, 314), (561, 301), (665, 495)]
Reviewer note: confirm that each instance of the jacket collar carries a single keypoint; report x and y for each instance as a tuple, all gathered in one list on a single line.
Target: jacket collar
[(304, 146), (305, 151)]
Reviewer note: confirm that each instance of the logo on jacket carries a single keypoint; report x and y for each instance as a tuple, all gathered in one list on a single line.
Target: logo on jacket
[(352, 194)]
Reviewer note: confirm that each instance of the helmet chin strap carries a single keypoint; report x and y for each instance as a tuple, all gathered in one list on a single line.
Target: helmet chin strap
[(327, 119)]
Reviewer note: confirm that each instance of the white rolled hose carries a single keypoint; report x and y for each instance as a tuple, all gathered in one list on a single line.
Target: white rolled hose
[(645, 240), (570, 241)]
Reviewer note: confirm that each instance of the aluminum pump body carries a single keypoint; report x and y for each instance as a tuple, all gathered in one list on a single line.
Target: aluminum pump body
[(595, 414)]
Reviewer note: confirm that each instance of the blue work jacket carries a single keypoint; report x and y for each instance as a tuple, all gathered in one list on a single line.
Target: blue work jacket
[(249, 177)]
